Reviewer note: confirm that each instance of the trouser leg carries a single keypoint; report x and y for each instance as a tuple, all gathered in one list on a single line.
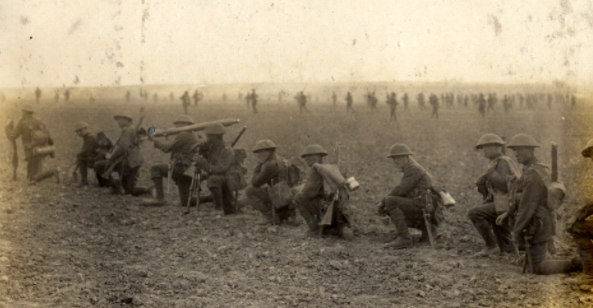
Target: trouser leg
[(541, 266), (395, 207), (221, 194), (33, 166), (82, 169), (309, 210), (100, 168), (259, 199), (183, 183), (582, 232), (481, 218), (128, 180)]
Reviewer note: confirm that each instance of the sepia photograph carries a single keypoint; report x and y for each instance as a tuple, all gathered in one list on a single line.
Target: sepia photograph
[(380, 153)]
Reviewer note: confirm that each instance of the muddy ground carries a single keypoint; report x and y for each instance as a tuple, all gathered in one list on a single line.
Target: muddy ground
[(63, 246)]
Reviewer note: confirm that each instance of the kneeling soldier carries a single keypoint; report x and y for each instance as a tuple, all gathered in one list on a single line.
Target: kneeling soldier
[(271, 170), (494, 186), (181, 149), (311, 199), (215, 159), (405, 203), (90, 153)]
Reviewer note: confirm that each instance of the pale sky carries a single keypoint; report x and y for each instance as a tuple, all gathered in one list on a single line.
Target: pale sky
[(123, 42)]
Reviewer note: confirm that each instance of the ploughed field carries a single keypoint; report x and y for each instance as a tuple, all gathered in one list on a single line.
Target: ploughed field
[(61, 246)]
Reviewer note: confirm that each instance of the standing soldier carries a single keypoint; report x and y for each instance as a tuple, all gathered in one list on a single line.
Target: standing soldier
[(406, 203), (128, 96), (181, 149), (37, 94), (34, 135), (334, 99), (67, 95), (466, 101), (3, 97), (125, 159), (90, 153), (197, 95), (393, 106), (433, 100), (406, 100), (573, 100), (482, 105), (185, 101), (253, 98), (271, 170), (506, 103), (310, 199), (171, 97), (534, 219), (420, 99), (349, 103), (215, 159), (302, 101), (494, 186)]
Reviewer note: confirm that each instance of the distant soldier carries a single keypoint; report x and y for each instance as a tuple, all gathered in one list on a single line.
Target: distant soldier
[(181, 149), (581, 229), (406, 101), (311, 198), (494, 186), (506, 103), (215, 159), (253, 98), (420, 100), (482, 105), (521, 100), (171, 97), (334, 99), (125, 158), (128, 96), (573, 100), (34, 135), (349, 103), (37, 94), (392, 106), (491, 102), (67, 95), (90, 153), (197, 96), (534, 220), (372, 101), (185, 101), (433, 100), (407, 202), (248, 100), (302, 102), (466, 101), (270, 171)]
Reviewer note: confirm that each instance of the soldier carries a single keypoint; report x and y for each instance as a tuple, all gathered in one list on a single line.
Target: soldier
[(34, 135), (171, 97), (310, 199), (128, 96), (482, 105), (215, 159), (433, 100), (420, 99), (90, 153), (302, 101), (67, 95), (406, 100), (581, 230), (494, 187), (253, 98), (349, 103), (181, 149), (125, 158), (37, 94), (270, 170), (534, 219), (393, 107), (197, 95), (185, 101), (334, 99), (406, 202)]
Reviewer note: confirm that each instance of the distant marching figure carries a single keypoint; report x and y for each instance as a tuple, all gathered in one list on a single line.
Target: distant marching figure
[(185, 101), (253, 97), (37, 94), (421, 102), (302, 101), (433, 100), (349, 103), (393, 106), (197, 96), (482, 105), (406, 101), (334, 99)]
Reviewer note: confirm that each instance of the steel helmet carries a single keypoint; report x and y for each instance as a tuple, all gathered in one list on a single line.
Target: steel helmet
[(184, 119), (28, 108), (80, 125), (265, 144), (122, 115), (523, 140), (489, 139), (587, 151), (215, 129), (399, 149), (314, 149)]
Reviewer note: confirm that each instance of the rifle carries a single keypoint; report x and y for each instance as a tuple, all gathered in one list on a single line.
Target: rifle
[(169, 174), (554, 162), (109, 170), (427, 218), (14, 156)]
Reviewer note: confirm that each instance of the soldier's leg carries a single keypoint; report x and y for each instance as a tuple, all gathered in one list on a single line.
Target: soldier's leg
[(183, 183), (541, 266), (82, 164), (33, 167), (481, 217), (221, 195), (100, 168), (398, 207), (582, 232), (259, 199), (309, 210), (157, 172), (42, 175), (129, 179)]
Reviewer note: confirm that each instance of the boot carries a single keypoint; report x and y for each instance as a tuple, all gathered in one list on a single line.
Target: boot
[(158, 198), (485, 230), (399, 220), (313, 224)]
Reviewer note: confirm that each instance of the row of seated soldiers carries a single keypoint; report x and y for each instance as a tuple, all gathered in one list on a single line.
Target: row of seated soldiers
[(525, 223)]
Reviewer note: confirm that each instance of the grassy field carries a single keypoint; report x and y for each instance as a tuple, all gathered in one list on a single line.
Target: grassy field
[(69, 247)]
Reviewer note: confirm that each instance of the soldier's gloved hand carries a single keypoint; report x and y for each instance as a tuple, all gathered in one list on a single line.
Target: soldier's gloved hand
[(501, 218)]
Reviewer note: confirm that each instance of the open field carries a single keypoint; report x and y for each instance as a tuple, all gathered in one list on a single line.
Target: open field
[(68, 247)]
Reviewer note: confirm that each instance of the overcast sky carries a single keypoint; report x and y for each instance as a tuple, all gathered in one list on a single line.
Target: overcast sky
[(121, 42)]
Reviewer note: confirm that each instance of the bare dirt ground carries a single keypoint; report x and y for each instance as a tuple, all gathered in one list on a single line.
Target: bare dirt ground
[(66, 247)]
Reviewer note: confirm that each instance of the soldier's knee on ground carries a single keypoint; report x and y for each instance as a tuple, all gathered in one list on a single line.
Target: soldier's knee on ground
[(391, 203)]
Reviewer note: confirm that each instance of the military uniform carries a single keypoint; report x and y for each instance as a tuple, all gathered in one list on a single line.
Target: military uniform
[(86, 158), (34, 134), (127, 148), (434, 102), (181, 149), (501, 169), (582, 232)]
